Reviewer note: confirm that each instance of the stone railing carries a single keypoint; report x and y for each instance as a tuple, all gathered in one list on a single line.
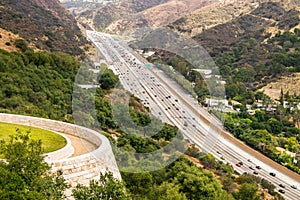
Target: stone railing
[(80, 169)]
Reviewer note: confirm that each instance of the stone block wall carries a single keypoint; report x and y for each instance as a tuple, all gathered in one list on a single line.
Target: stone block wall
[(80, 169)]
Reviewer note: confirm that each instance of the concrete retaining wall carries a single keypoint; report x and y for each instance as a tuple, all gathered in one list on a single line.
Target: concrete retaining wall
[(80, 169)]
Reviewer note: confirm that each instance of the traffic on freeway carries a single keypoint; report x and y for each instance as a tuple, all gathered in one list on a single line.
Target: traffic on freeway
[(170, 103)]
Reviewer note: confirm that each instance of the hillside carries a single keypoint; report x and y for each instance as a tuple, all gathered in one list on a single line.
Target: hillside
[(7, 39), (76, 7), (285, 84), (45, 23), (246, 40), (219, 13), (127, 14), (242, 48), (250, 51)]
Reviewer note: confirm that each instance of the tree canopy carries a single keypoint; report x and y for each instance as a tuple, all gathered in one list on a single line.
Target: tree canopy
[(23, 172)]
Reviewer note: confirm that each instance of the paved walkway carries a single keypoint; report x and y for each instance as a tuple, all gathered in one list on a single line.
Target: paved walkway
[(80, 146)]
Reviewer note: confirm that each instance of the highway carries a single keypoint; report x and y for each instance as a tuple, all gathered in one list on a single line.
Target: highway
[(170, 103)]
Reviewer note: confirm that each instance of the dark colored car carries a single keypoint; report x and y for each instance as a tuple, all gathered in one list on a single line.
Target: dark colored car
[(281, 185), (258, 167), (281, 191), (272, 174), (255, 172), (294, 186)]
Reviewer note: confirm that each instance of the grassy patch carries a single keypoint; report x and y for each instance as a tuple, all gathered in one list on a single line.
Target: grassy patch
[(50, 140)]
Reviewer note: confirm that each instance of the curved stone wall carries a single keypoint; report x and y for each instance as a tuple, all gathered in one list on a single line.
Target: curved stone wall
[(65, 152), (80, 169)]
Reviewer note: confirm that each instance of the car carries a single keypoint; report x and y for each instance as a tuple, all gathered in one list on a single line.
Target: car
[(255, 172), (238, 164), (272, 174), (258, 167), (281, 185), (281, 191), (218, 152), (249, 160), (251, 167), (294, 186), (241, 163)]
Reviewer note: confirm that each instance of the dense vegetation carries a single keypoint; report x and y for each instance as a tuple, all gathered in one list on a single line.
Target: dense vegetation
[(106, 188), (247, 183), (180, 180), (266, 130), (37, 84)]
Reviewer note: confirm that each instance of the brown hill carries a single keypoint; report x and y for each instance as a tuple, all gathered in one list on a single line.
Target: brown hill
[(127, 14), (254, 48), (220, 13), (46, 23), (247, 34)]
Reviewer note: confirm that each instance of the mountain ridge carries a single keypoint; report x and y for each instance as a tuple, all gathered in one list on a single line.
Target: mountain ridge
[(125, 15), (44, 23)]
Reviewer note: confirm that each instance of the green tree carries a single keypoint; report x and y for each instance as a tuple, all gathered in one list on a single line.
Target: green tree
[(24, 174), (227, 183), (108, 79), (140, 185), (106, 188), (195, 183), (260, 115), (247, 191), (292, 144), (168, 191), (267, 185), (209, 161), (21, 44), (275, 125)]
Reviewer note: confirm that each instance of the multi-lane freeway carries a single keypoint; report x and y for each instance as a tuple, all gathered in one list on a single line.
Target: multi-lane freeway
[(169, 102)]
